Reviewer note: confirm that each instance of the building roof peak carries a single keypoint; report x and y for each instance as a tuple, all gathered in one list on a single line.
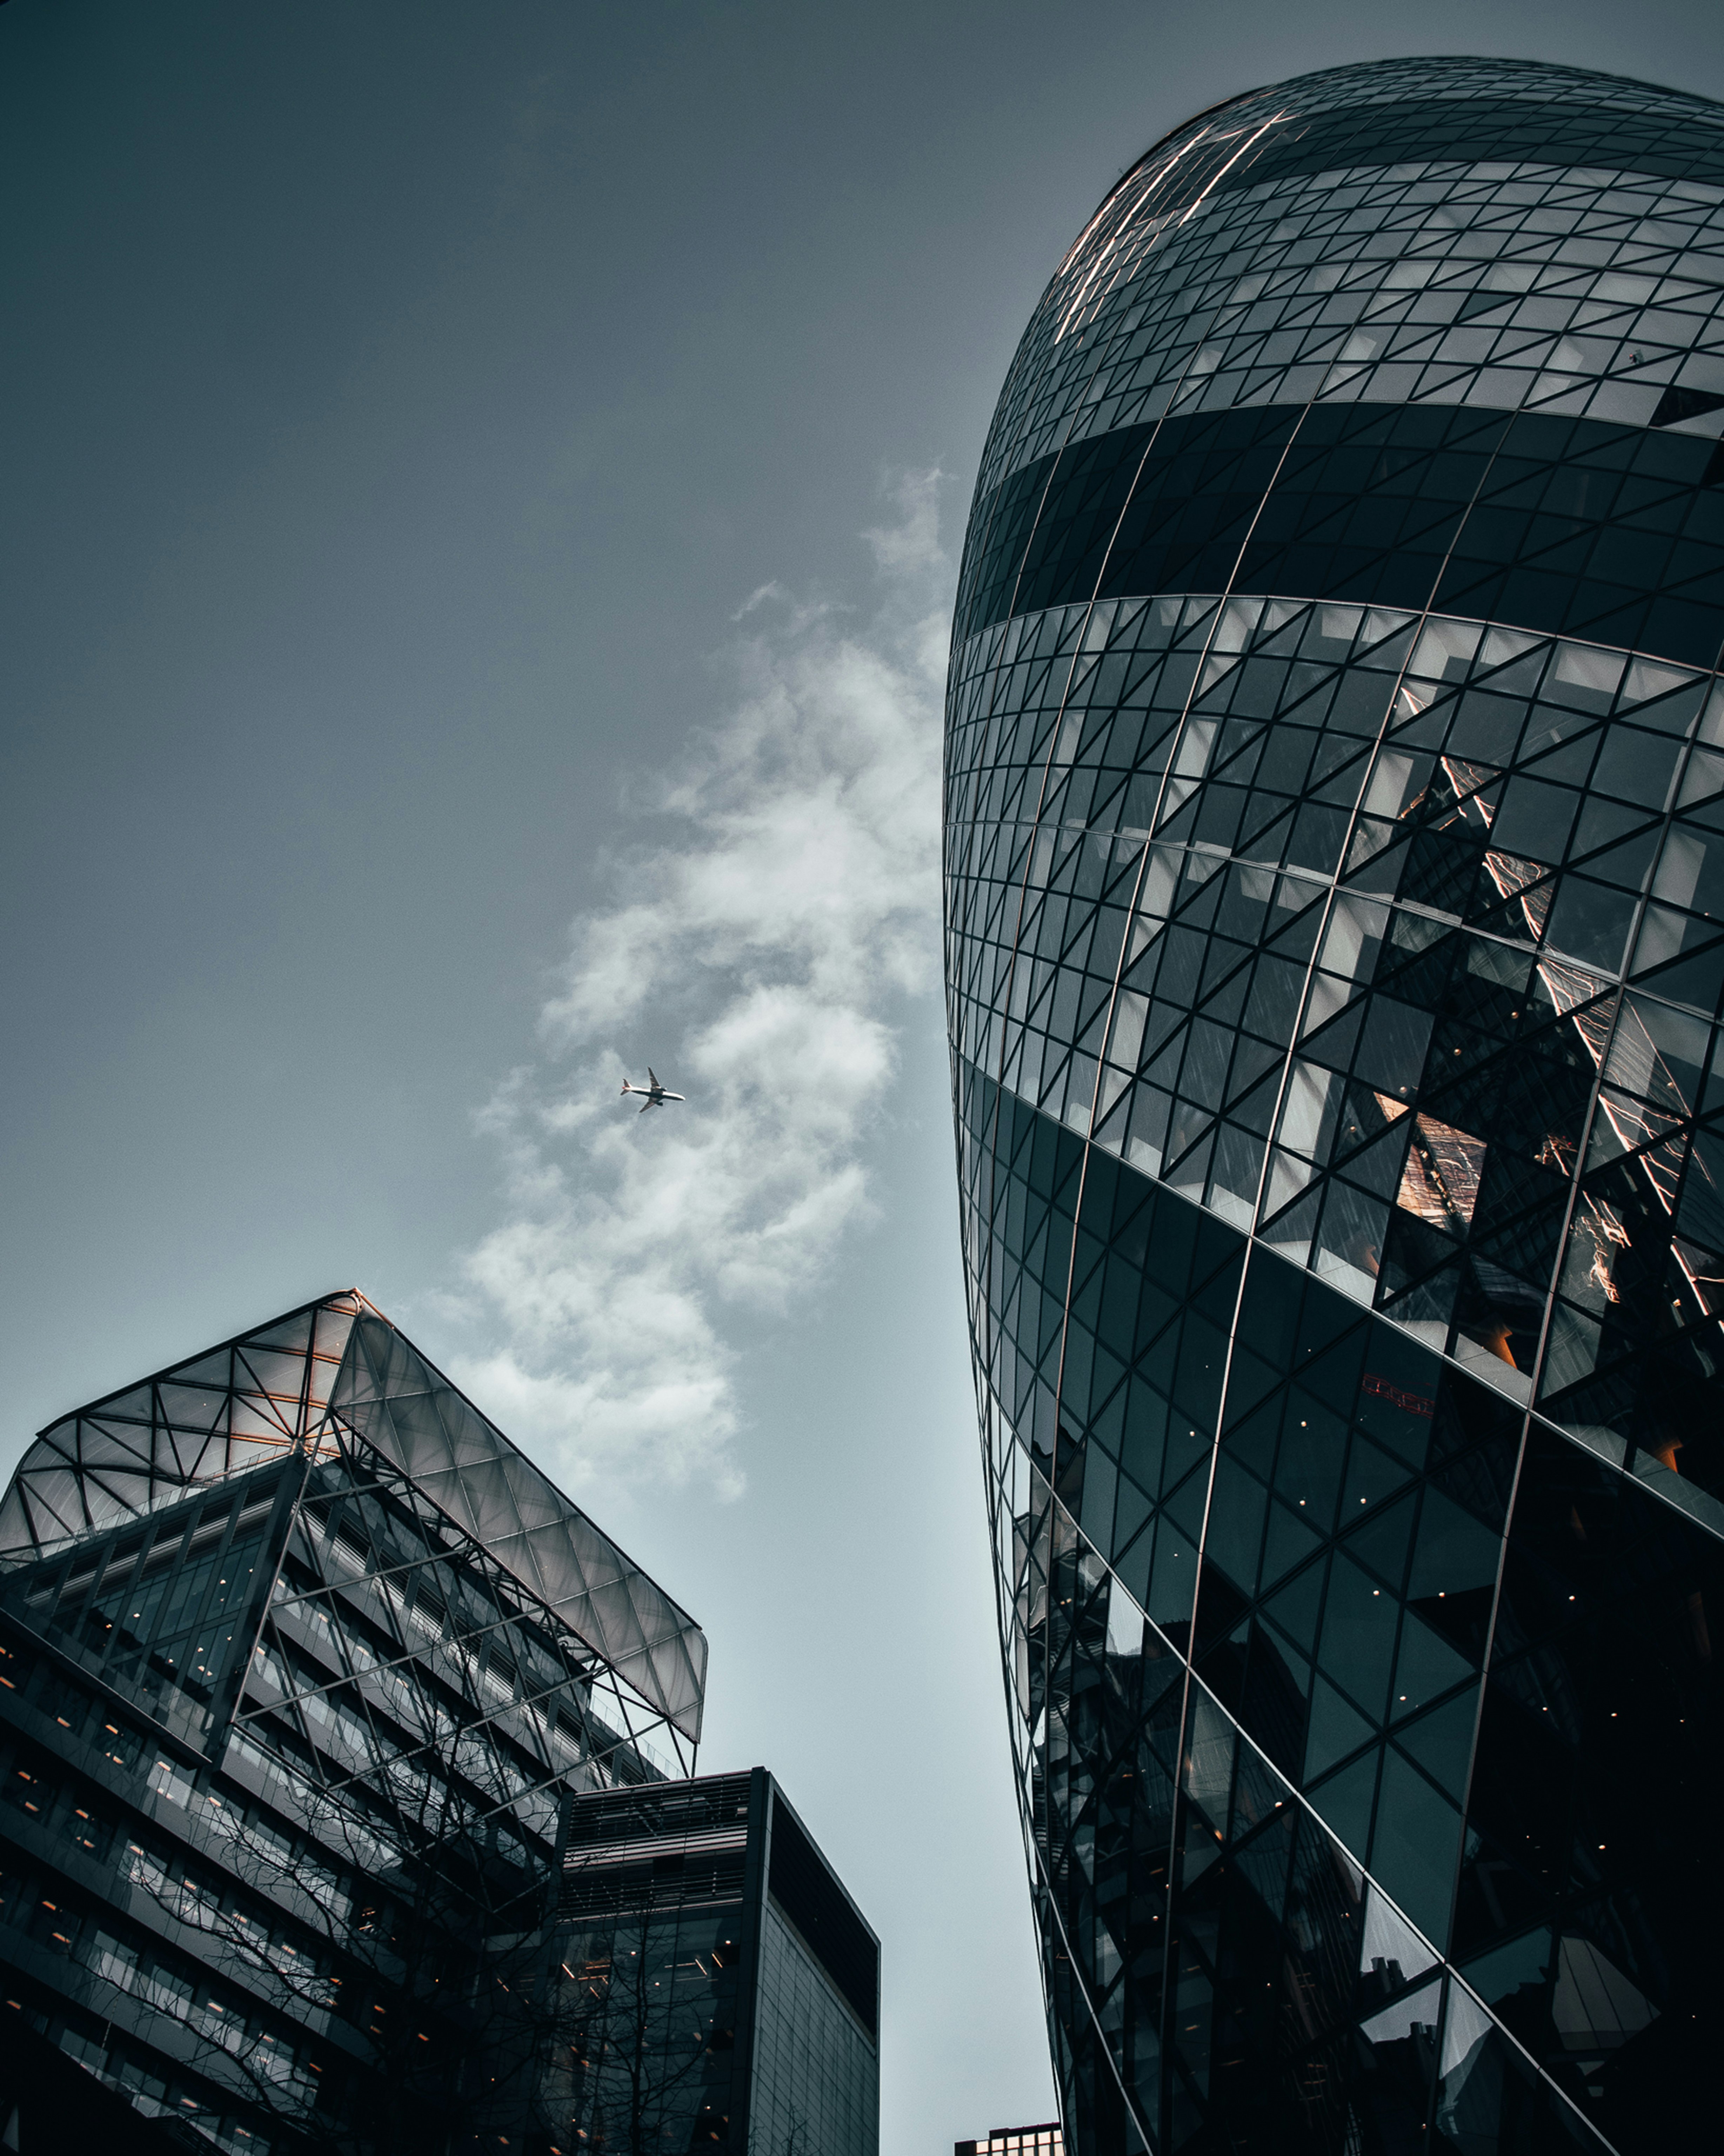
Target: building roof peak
[(325, 1379)]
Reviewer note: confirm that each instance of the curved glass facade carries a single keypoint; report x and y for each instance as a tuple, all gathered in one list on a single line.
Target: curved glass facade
[(1335, 942)]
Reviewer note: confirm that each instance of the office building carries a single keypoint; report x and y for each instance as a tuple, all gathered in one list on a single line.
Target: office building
[(299, 1661), (715, 1986), (1044, 2140), (1335, 941)]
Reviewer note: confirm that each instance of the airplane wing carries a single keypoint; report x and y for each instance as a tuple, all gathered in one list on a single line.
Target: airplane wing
[(648, 1104), (652, 1078)]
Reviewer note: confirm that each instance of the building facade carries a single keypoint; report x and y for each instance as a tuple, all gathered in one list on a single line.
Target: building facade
[(1335, 937), (1044, 2140), (715, 1986), (299, 1661)]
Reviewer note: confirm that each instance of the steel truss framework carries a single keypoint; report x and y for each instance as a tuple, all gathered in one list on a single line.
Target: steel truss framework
[(335, 1380), (375, 1651), (405, 1670)]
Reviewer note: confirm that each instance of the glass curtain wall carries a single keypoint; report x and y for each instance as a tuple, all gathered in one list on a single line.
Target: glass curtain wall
[(1334, 792), (300, 1660), (716, 1986)]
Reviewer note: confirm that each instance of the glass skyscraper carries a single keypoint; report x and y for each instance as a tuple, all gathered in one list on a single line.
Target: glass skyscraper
[(715, 1986), (1335, 941), (301, 1661)]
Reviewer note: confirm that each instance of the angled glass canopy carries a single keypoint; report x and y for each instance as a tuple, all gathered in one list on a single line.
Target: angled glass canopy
[(334, 1374)]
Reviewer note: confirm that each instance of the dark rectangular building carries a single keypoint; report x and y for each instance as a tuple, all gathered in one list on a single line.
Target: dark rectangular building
[(717, 1987)]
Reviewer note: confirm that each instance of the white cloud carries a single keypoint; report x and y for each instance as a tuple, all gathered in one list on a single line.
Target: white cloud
[(767, 938)]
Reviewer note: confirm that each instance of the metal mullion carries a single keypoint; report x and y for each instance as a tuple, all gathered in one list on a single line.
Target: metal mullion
[(1536, 1370), (256, 1390), (550, 1781), (1178, 732), (1151, 2142), (1035, 826), (302, 1412), (470, 1551), (315, 1773), (1328, 903), (416, 1660), (1423, 619), (484, 1719)]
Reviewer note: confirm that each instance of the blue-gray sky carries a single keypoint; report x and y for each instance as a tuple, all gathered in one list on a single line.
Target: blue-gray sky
[(403, 406)]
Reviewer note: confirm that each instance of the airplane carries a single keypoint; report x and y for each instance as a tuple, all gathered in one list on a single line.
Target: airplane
[(656, 1096)]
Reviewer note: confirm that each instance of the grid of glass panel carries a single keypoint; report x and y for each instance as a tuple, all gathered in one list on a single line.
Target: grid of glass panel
[(713, 1984), (653, 1951), (1333, 972), (1247, 258), (337, 1378), (816, 2076), (1016, 2140), (287, 1729)]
